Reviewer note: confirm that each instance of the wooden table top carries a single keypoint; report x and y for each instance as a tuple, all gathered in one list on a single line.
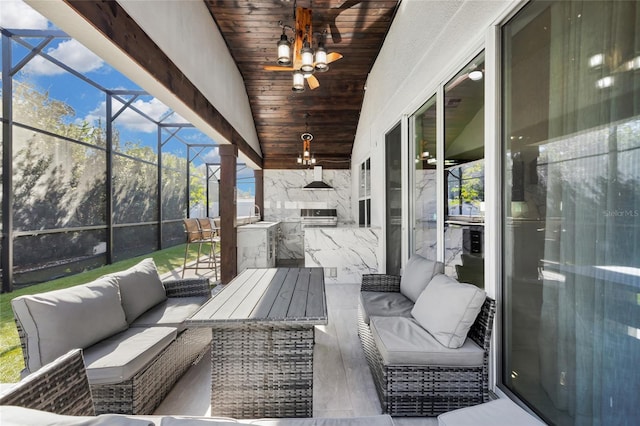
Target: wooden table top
[(267, 296)]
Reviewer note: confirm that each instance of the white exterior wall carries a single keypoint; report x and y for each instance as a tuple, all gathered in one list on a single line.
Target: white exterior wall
[(428, 42), (410, 69), (410, 66)]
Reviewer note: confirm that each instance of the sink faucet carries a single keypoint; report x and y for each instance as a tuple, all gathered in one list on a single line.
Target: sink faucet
[(252, 213)]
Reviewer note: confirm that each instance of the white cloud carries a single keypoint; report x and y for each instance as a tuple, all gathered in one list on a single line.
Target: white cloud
[(129, 119), (18, 15), (69, 52), (212, 156)]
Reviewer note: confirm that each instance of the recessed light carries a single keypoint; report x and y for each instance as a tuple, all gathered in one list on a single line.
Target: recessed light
[(475, 75)]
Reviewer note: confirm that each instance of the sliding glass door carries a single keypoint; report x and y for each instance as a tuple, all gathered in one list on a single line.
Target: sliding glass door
[(571, 145), (425, 189), (393, 189)]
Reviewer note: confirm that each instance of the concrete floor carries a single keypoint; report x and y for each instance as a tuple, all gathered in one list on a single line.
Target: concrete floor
[(342, 387)]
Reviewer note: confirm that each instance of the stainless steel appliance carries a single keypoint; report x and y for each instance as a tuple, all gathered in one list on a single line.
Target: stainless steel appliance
[(318, 217)]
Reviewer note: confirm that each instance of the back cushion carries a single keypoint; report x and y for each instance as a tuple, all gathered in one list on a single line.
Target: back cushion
[(416, 275), (140, 288), (447, 309), (77, 317)]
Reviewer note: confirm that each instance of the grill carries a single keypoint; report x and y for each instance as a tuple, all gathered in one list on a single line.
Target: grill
[(318, 217)]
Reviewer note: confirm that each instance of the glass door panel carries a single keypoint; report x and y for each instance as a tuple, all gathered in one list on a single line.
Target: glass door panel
[(571, 210), (425, 199), (393, 184), (464, 174)]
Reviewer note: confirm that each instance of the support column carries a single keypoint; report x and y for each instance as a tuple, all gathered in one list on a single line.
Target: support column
[(259, 198), (6, 260), (228, 213)]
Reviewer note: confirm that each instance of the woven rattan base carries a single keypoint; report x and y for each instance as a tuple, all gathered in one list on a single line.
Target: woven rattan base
[(146, 390), (423, 390), (59, 387), (262, 371)]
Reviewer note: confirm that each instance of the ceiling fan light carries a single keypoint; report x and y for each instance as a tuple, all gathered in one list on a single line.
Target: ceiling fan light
[(321, 59), (307, 59), (299, 161), (284, 51), (298, 82)]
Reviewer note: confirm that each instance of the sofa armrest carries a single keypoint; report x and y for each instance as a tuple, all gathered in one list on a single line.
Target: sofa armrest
[(187, 287), (380, 282), (59, 387)]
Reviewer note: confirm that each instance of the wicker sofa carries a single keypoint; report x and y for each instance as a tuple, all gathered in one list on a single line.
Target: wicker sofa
[(59, 394), (131, 327), (426, 338)]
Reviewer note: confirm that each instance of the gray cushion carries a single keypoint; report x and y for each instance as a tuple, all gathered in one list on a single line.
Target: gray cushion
[(76, 317), (196, 421), (401, 341), (384, 303), (381, 420), (140, 288), (19, 416), (417, 274), (447, 309), (120, 357), (501, 412), (170, 313)]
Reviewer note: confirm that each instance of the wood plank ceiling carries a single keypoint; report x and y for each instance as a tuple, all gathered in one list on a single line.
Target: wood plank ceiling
[(355, 28)]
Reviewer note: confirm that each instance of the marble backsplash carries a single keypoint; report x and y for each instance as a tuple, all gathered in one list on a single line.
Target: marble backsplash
[(284, 196)]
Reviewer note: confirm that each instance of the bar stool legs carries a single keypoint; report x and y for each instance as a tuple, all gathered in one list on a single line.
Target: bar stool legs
[(200, 231)]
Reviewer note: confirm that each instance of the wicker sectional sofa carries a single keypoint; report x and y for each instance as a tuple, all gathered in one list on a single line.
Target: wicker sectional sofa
[(130, 326), (426, 338), (59, 394)]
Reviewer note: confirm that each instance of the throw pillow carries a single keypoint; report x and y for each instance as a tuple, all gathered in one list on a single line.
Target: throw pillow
[(416, 275), (77, 317), (447, 309), (140, 288)]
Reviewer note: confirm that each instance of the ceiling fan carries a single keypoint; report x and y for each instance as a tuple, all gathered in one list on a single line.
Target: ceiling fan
[(305, 61)]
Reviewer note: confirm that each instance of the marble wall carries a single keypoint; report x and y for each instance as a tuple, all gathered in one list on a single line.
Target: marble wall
[(345, 253), (284, 197)]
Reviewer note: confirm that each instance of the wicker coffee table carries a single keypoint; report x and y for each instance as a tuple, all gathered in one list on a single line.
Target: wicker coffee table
[(262, 348)]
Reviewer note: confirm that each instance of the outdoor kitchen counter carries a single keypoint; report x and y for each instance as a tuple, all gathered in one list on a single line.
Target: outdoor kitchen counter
[(345, 252), (257, 245)]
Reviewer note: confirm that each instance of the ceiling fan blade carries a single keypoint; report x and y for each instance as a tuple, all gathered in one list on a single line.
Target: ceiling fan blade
[(277, 68), (313, 82), (333, 56)]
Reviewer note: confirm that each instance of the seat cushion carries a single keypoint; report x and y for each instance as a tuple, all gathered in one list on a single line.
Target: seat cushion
[(401, 341), (170, 313), (77, 317), (501, 412), (417, 274), (384, 304), (20, 416), (120, 357), (380, 420), (447, 309), (140, 288)]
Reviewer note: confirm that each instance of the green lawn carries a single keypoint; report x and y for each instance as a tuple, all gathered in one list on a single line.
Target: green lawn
[(11, 362)]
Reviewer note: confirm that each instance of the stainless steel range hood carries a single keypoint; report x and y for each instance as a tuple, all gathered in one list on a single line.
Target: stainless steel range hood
[(318, 183)]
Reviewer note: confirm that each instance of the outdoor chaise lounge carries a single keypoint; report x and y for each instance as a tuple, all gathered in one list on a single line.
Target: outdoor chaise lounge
[(426, 338), (131, 327), (59, 394)]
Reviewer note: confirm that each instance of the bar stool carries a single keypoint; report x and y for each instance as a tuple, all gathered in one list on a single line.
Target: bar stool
[(200, 231), (211, 235)]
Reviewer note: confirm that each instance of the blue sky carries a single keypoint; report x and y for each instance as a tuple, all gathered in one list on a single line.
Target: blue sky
[(89, 102)]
